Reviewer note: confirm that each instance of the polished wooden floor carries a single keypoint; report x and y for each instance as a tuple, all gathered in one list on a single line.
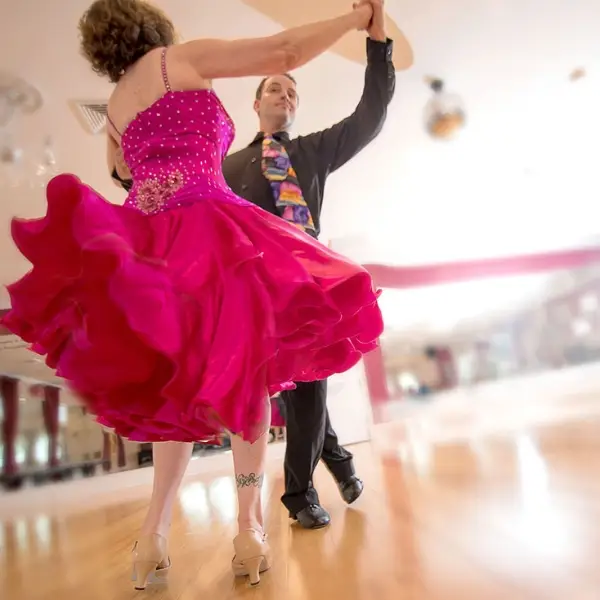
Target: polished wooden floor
[(514, 515)]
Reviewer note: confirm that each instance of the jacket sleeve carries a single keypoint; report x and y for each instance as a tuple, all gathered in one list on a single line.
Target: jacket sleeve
[(336, 145)]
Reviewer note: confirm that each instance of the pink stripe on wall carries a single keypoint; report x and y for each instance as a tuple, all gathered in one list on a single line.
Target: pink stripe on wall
[(400, 277), (376, 378)]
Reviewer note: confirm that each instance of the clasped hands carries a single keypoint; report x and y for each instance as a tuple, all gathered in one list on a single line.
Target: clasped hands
[(375, 25)]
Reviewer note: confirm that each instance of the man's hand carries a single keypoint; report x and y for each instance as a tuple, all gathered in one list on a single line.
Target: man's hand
[(376, 29), (121, 165)]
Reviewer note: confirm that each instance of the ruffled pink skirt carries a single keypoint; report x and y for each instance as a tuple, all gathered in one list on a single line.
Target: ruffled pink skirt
[(172, 327)]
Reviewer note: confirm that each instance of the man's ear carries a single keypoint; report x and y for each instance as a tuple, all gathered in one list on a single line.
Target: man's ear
[(257, 106)]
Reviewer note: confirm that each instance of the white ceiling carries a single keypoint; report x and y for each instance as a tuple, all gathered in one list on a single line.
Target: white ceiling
[(520, 178)]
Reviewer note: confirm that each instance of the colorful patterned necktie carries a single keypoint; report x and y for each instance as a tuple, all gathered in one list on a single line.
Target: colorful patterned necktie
[(277, 168)]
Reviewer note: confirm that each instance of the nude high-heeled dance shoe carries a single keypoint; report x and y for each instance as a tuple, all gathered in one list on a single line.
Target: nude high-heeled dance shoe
[(252, 555), (151, 562)]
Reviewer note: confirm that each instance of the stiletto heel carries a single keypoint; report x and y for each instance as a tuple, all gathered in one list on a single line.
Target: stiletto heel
[(151, 562), (142, 572), (252, 567), (252, 555)]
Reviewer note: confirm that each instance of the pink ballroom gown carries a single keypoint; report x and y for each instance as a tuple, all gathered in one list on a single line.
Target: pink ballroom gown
[(172, 315)]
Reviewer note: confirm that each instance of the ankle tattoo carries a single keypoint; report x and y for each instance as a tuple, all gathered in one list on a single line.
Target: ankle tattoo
[(250, 480)]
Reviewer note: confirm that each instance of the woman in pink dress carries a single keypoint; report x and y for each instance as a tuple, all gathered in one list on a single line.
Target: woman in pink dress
[(176, 316)]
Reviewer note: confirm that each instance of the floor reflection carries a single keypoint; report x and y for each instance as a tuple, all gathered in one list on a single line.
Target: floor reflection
[(45, 439), (510, 516)]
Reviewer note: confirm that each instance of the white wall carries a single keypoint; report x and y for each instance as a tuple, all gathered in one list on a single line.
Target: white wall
[(349, 406), (509, 404)]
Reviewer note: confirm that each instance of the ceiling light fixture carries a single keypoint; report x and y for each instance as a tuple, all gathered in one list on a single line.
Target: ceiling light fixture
[(444, 113), (19, 98)]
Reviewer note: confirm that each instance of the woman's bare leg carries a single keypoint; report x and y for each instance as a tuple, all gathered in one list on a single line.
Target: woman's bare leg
[(170, 462), (249, 467)]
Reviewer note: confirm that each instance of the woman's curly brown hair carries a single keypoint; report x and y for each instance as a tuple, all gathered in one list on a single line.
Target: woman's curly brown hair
[(117, 33)]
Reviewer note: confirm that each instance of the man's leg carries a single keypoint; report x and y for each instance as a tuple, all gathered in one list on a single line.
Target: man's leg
[(306, 416), (337, 459), (340, 463)]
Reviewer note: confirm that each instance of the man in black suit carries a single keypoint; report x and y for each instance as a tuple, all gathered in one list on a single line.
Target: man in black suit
[(310, 436)]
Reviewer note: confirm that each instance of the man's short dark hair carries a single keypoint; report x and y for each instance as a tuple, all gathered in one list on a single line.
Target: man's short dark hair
[(261, 85)]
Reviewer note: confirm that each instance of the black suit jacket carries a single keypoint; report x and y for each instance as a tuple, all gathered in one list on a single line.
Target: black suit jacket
[(316, 155)]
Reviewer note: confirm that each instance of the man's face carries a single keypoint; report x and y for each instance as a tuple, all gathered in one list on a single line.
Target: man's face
[(278, 101)]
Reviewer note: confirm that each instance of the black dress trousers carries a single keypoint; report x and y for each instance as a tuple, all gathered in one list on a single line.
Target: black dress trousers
[(310, 437)]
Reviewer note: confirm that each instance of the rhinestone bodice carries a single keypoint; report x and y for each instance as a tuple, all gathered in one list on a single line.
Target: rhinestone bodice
[(174, 150)]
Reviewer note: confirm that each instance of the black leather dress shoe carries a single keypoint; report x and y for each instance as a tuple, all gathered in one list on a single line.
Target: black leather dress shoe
[(351, 489), (312, 517)]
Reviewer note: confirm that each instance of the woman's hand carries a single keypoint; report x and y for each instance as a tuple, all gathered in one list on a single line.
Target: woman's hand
[(364, 11), (376, 29)]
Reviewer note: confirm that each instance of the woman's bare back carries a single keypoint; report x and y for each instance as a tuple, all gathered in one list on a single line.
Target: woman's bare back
[(144, 83)]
